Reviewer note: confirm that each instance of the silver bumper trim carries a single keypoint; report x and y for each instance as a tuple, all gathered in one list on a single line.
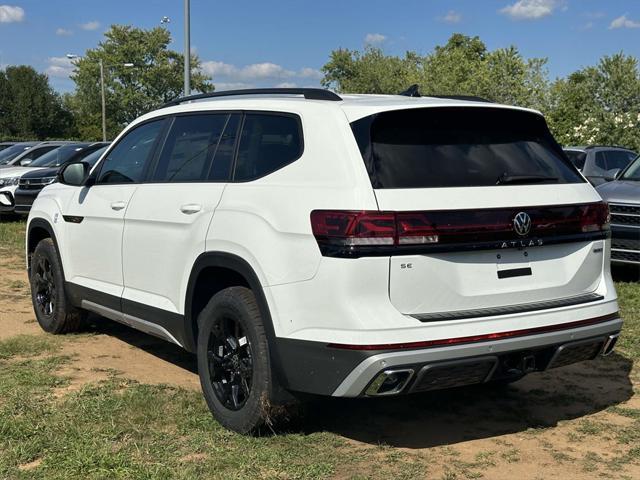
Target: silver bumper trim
[(354, 384)]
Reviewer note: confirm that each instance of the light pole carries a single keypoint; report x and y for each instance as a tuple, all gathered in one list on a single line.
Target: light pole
[(187, 48), (71, 56), (187, 45)]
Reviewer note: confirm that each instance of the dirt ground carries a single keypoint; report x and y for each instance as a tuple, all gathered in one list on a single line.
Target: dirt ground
[(562, 424)]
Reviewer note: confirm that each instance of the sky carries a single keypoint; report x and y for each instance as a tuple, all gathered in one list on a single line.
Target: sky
[(245, 44)]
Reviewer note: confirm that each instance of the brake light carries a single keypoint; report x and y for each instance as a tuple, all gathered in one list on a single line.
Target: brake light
[(349, 228), (353, 228), (595, 217)]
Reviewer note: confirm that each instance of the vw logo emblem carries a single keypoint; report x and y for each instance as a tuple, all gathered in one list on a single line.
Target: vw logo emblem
[(522, 224)]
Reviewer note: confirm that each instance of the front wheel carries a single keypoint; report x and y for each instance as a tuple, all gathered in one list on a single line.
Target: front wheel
[(53, 310), (233, 360)]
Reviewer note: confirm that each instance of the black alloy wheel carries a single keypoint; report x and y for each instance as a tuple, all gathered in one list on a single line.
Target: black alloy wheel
[(45, 287), (230, 363)]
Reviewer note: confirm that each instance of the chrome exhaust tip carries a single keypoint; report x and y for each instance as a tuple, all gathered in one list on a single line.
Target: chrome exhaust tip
[(609, 344), (389, 382)]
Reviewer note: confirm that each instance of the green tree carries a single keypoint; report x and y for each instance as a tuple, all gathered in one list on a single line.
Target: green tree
[(156, 77), (599, 105), (371, 71), (463, 66), (29, 108)]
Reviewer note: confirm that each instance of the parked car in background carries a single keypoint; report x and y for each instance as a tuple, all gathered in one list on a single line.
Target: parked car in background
[(600, 163), (31, 183), (11, 152), (19, 165), (32, 153), (623, 196), (5, 145)]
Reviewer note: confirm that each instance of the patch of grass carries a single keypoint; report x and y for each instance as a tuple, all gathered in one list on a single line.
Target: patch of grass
[(511, 456), (28, 345), (589, 427), (629, 300), (121, 429), (591, 461), (626, 412), (17, 286), (12, 237)]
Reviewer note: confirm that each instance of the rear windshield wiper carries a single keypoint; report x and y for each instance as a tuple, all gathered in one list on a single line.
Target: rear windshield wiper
[(506, 179)]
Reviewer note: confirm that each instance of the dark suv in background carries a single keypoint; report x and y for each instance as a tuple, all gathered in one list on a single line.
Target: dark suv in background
[(600, 163), (32, 183), (623, 197)]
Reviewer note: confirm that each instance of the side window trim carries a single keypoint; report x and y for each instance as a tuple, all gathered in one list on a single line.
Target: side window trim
[(98, 168), (215, 150), (150, 171), (236, 148)]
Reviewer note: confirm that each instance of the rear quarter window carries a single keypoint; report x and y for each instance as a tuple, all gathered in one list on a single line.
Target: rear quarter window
[(268, 142), (460, 147)]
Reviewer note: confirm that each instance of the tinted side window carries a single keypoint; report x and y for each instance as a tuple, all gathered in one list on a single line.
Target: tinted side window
[(126, 161), (577, 158), (618, 159), (189, 148), (601, 161), (267, 143), (37, 152)]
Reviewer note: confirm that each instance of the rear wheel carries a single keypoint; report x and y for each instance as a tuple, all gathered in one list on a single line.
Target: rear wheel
[(233, 360), (53, 310)]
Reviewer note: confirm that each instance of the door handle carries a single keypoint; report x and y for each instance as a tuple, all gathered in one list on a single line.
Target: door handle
[(190, 208), (118, 205)]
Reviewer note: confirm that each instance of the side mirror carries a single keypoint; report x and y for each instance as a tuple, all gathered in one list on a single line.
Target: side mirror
[(25, 162), (612, 174), (74, 174)]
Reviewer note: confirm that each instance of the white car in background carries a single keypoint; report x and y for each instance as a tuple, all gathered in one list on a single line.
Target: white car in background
[(16, 166)]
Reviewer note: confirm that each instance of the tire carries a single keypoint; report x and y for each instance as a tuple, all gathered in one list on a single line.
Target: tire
[(52, 307), (231, 337)]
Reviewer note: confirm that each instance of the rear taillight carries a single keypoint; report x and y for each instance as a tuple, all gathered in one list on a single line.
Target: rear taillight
[(595, 217), (361, 233), (370, 229), (353, 228)]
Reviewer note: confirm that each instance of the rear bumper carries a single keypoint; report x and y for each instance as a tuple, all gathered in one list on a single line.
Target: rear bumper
[(318, 368)]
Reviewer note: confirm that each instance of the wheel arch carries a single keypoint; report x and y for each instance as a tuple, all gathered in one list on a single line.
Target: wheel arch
[(203, 284), (38, 230)]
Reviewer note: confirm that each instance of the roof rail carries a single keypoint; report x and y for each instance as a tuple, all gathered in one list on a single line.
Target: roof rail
[(414, 91), (308, 93), (471, 98), (608, 146)]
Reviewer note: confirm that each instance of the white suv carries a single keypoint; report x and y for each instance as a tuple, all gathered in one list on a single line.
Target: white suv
[(355, 245)]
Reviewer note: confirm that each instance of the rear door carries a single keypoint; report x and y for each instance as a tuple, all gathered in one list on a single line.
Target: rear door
[(166, 223), (494, 214)]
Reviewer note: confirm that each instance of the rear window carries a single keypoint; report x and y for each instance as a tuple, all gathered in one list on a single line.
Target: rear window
[(460, 147)]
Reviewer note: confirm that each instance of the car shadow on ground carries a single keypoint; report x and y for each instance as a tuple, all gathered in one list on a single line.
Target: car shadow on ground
[(447, 417), (162, 349), (439, 418)]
